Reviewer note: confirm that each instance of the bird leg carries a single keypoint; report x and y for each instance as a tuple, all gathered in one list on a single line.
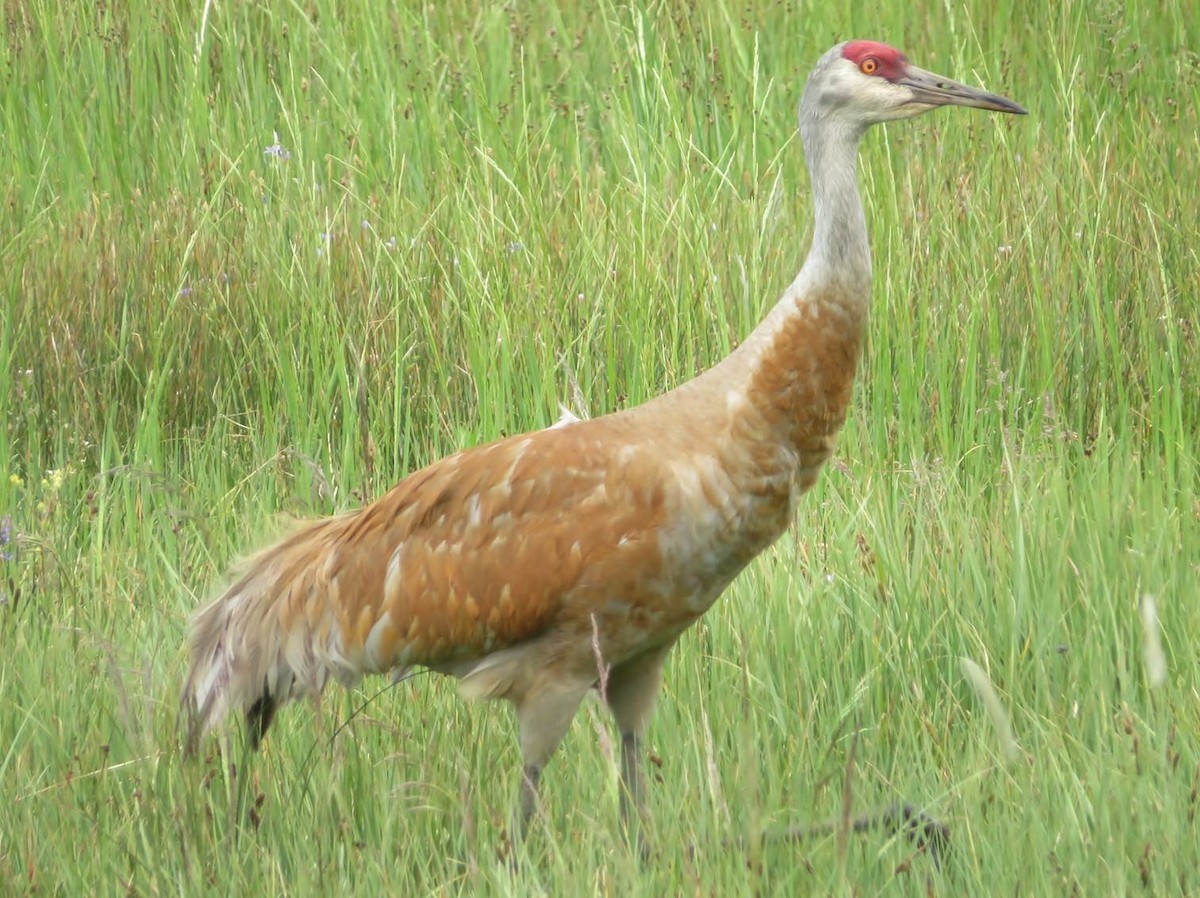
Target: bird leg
[(531, 777), (631, 691), (633, 781), (543, 716)]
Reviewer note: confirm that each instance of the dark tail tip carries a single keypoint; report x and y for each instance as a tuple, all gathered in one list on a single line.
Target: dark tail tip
[(259, 717)]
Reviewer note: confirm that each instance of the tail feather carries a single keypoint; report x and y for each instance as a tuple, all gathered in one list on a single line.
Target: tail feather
[(272, 637)]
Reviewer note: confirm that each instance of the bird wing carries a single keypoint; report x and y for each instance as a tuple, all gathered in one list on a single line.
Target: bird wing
[(482, 550)]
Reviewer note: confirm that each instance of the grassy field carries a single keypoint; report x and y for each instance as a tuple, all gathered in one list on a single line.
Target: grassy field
[(259, 260)]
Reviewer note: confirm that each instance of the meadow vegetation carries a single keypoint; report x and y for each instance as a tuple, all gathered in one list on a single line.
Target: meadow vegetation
[(260, 260)]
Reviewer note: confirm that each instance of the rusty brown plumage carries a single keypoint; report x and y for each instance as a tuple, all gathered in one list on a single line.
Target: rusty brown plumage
[(510, 565)]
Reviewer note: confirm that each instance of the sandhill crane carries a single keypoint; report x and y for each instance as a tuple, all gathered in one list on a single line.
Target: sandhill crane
[(513, 565)]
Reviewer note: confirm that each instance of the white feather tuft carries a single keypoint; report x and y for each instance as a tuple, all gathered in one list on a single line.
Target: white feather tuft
[(567, 418)]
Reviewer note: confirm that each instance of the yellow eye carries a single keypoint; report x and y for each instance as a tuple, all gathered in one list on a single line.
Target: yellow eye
[(869, 66)]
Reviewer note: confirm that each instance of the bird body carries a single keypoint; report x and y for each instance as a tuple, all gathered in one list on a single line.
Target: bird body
[(502, 563), (533, 567)]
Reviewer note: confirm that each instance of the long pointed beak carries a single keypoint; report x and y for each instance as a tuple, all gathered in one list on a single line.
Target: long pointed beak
[(934, 90)]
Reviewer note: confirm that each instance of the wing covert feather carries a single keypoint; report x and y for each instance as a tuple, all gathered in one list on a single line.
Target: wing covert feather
[(485, 548)]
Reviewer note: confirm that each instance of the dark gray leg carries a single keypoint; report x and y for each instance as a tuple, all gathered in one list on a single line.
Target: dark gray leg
[(543, 715), (631, 692)]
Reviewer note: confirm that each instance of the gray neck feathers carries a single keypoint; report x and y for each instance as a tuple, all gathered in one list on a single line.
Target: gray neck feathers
[(840, 254)]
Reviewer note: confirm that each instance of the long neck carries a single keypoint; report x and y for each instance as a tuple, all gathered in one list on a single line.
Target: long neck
[(789, 383), (797, 368), (840, 257), (836, 276)]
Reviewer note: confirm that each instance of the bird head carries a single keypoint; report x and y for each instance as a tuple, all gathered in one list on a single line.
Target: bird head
[(866, 82)]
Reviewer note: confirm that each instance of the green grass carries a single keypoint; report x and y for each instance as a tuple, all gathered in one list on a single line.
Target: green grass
[(486, 211)]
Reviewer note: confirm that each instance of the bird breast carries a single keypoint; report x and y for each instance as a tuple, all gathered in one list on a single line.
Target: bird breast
[(725, 508)]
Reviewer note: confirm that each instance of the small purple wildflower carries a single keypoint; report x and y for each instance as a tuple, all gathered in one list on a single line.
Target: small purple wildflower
[(185, 290), (6, 538), (277, 150)]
